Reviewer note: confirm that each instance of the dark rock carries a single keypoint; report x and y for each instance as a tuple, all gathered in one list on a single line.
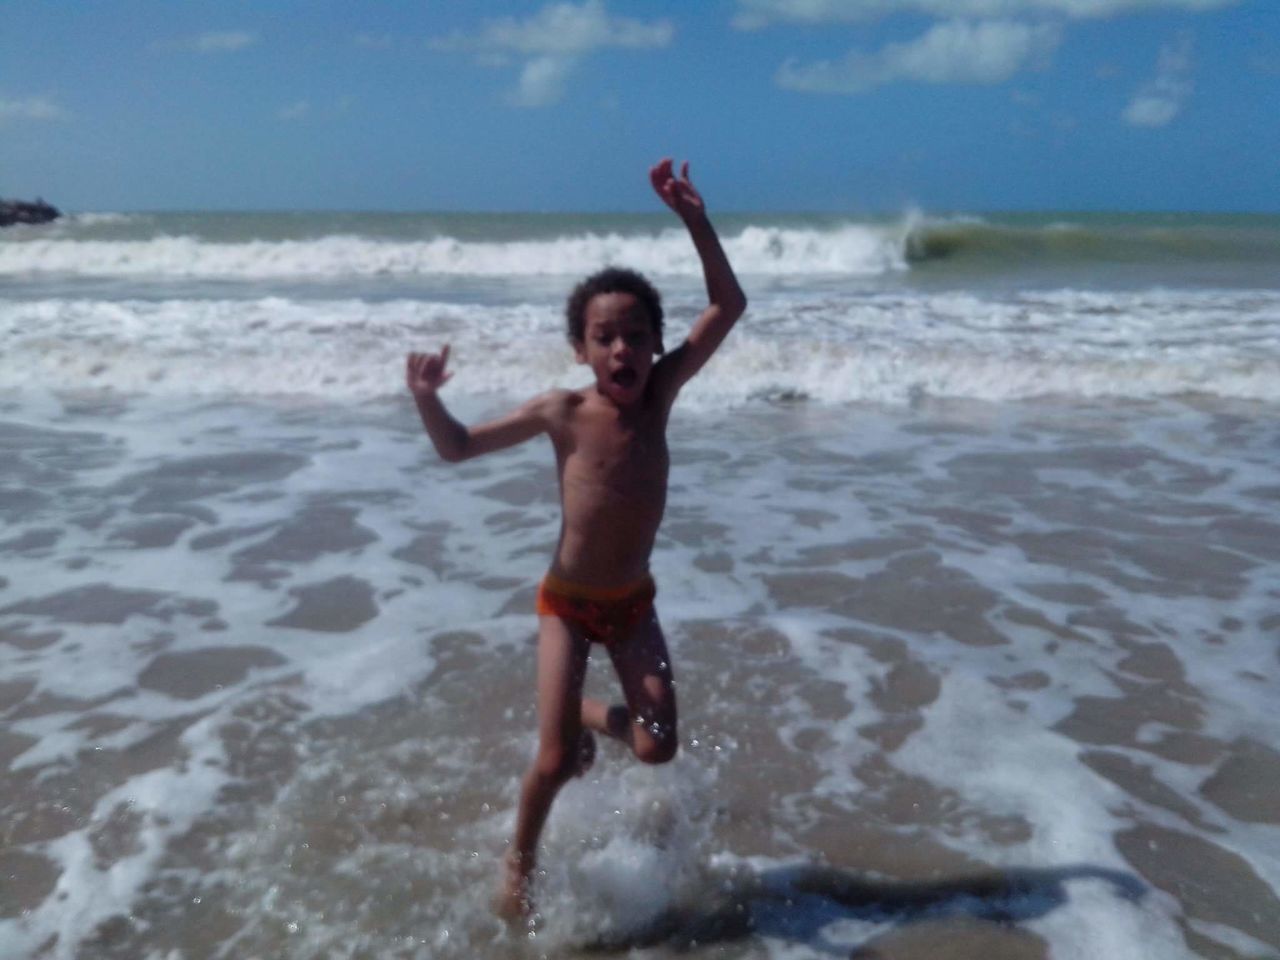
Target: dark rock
[(19, 211)]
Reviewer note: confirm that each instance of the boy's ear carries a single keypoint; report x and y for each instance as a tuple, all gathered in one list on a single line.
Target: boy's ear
[(579, 351), (658, 348)]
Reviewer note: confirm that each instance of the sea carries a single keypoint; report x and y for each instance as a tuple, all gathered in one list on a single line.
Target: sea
[(970, 573)]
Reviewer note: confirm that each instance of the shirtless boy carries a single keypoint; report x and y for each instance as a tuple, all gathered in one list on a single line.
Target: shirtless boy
[(611, 458)]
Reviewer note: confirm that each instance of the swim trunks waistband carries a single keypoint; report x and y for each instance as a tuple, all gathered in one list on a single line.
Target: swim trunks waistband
[(601, 612)]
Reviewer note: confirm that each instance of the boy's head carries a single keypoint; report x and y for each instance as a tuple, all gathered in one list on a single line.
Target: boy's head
[(613, 280), (615, 326)]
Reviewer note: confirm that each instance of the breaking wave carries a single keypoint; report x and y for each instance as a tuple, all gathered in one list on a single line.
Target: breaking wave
[(853, 250)]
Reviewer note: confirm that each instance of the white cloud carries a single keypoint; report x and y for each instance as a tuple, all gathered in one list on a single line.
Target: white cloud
[(563, 29), (542, 81), (304, 109), (754, 14), (298, 110), (374, 41), (217, 41), (225, 41), (1158, 101), (551, 42), (956, 51), (29, 108)]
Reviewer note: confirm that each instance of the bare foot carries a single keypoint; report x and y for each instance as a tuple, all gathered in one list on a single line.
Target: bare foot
[(586, 753), (512, 901)]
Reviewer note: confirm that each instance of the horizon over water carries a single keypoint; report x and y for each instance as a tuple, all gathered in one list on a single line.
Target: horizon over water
[(969, 573)]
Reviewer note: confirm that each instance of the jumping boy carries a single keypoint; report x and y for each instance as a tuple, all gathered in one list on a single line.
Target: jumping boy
[(611, 458)]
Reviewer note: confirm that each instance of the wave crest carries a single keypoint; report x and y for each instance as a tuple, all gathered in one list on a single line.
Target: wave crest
[(980, 243), (770, 251)]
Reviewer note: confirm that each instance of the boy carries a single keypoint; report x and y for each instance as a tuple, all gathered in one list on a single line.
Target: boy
[(611, 458)]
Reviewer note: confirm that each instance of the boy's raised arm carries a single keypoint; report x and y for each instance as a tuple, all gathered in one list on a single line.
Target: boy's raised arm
[(727, 301), (425, 374)]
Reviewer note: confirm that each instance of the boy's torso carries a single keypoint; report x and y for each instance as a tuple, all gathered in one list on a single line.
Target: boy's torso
[(613, 469)]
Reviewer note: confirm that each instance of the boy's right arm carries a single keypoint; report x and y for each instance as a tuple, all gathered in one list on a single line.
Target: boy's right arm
[(425, 375), (727, 301)]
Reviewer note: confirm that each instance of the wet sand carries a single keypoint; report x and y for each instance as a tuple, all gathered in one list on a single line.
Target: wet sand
[(962, 681)]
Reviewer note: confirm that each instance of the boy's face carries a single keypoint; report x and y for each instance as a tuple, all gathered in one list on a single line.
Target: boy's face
[(618, 345)]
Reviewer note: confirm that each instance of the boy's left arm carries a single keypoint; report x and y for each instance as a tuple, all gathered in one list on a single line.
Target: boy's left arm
[(727, 301)]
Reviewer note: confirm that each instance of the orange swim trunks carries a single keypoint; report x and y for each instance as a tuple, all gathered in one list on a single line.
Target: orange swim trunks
[(602, 612)]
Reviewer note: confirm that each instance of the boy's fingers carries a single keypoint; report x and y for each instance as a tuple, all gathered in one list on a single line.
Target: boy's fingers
[(444, 355), (684, 171)]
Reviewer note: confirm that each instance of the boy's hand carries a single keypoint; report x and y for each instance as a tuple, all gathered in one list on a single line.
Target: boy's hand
[(678, 193), (425, 373)]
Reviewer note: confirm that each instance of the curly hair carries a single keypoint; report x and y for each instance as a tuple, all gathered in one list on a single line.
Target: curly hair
[(613, 280)]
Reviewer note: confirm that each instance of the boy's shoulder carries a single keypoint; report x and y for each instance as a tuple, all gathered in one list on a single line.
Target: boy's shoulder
[(556, 404)]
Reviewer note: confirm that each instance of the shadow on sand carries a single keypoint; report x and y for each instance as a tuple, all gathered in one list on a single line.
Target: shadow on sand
[(794, 904)]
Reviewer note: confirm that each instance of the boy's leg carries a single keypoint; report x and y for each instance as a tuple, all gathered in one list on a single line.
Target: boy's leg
[(647, 723), (562, 660)]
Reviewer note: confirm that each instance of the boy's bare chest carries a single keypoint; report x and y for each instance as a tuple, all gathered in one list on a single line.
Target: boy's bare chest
[(619, 455)]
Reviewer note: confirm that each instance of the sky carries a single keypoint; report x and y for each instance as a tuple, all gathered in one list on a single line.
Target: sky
[(842, 106)]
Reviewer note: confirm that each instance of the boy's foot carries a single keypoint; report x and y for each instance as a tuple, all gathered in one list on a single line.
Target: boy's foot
[(586, 753), (512, 901)]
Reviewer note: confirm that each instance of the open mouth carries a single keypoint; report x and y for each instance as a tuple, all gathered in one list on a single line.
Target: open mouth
[(623, 377)]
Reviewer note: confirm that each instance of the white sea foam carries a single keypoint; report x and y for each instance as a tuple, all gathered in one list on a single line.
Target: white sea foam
[(852, 250), (887, 348), (96, 219)]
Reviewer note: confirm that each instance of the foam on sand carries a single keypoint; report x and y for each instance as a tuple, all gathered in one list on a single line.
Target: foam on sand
[(940, 683)]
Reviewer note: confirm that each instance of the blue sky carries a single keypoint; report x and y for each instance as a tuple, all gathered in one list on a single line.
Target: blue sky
[(827, 105)]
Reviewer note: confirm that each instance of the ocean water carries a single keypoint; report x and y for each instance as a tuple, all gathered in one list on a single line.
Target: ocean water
[(969, 572)]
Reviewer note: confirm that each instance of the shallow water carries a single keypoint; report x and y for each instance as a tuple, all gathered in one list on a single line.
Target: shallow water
[(963, 679), (969, 575)]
